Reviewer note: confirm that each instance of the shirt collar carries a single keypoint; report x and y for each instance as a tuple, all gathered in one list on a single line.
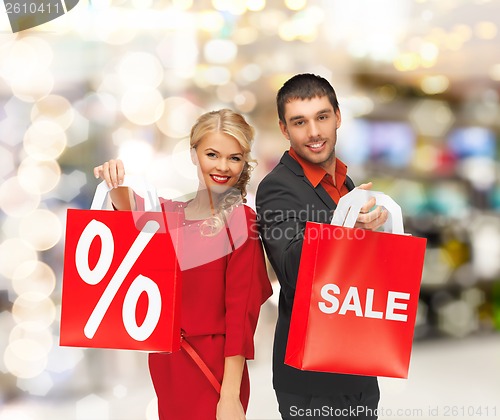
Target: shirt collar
[(315, 173)]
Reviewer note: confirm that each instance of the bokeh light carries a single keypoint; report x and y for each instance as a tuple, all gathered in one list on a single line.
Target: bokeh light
[(13, 253), (33, 276), (42, 337), (142, 106), (245, 101), (256, 5), (220, 51), (44, 140), (486, 30), (140, 69), (39, 385), (38, 177), (34, 310), (433, 85), (181, 161), (136, 155), (235, 7), (431, 118), (210, 21), (32, 87), (25, 358), (41, 229), (53, 108), (182, 4), (152, 410), (92, 406), (178, 117), (6, 162), (295, 4)]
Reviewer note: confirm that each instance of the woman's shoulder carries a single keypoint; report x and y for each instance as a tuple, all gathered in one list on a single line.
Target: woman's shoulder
[(249, 212), (243, 220), (243, 211)]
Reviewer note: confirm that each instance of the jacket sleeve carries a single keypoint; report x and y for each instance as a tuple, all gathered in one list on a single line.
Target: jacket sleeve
[(282, 229), (247, 285)]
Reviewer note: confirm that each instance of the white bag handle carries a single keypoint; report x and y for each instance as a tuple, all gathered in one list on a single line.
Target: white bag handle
[(138, 184), (349, 206)]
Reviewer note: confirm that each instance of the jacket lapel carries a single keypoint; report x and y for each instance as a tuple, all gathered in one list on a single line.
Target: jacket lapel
[(295, 167)]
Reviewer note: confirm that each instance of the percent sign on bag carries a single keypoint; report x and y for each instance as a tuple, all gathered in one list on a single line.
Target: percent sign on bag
[(121, 285)]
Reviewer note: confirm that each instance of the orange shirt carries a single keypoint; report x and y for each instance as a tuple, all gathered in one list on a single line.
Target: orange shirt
[(317, 175)]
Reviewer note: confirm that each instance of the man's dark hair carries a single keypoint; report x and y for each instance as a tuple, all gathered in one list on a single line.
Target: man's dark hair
[(304, 86)]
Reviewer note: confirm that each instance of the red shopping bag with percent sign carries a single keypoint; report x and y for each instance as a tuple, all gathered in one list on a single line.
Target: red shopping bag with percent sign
[(357, 294), (121, 280)]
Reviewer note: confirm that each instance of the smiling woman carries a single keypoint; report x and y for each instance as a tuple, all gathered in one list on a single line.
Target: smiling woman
[(224, 279), (220, 149)]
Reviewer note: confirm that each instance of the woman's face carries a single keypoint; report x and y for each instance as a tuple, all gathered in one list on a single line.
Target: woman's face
[(220, 161)]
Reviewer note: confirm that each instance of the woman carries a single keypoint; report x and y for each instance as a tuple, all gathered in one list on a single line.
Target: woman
[(224, 275)]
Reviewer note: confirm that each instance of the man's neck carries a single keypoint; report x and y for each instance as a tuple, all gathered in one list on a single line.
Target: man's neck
[(330, 166)]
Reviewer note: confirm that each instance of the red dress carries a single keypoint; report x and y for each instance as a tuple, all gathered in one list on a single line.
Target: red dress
[(224, 284)]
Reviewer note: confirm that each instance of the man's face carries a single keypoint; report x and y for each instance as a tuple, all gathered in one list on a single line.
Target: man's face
[(311, 127)]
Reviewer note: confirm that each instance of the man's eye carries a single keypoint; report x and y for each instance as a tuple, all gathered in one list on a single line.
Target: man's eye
[(323, 117), (299, 122)]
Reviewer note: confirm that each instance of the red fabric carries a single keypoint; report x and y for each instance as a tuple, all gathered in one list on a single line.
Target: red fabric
[(184, 393), (317, 175), (220, 306)]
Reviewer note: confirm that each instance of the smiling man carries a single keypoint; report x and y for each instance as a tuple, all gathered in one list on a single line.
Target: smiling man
[(306, 185)]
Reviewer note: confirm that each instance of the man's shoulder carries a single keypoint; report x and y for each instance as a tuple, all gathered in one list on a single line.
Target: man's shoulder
[(283, 172)]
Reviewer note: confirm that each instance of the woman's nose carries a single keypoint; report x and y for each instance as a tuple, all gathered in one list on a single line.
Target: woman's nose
[(222, 165)]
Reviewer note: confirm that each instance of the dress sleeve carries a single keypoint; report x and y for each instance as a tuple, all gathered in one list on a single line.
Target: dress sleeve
[(247, 286)]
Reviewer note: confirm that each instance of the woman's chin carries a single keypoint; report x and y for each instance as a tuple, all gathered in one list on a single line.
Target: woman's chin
[(219, 188)]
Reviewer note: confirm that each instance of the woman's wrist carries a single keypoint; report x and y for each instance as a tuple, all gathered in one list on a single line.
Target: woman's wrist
[(229, 393)]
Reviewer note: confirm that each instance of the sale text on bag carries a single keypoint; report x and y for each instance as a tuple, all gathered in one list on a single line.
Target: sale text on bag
[(352, 302)]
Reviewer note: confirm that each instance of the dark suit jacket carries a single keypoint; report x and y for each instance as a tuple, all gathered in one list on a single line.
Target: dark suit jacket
[(285, 201)]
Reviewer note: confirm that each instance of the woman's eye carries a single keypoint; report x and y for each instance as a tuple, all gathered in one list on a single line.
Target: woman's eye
[(236, 158), (211, 155)]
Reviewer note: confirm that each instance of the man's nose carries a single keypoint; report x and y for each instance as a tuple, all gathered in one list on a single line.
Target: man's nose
[(313, 130)]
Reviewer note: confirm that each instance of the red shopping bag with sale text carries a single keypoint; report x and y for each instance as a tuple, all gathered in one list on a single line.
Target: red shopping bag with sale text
[(121, 280), (357, 294)]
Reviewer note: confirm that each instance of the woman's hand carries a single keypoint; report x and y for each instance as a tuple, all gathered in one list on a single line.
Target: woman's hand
[(230, 408), (112, 172)]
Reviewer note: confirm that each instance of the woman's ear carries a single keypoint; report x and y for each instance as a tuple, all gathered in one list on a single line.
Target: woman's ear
[(194, 156)]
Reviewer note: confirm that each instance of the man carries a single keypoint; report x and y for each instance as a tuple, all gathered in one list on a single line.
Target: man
[(305, 186)]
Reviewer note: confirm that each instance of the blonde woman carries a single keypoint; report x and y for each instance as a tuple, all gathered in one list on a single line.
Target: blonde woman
[(224, 279)]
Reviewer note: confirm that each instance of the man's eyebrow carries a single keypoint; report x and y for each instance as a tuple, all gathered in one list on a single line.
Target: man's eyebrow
[(323, 111), (297, 117)]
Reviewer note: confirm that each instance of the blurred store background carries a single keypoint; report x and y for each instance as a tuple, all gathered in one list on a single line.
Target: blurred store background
[(418, 83)]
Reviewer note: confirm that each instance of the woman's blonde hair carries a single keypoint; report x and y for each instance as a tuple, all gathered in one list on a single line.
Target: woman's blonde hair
[(233, 124)]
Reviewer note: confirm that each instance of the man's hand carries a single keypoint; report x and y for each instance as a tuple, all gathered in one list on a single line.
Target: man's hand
[(371, 219)]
